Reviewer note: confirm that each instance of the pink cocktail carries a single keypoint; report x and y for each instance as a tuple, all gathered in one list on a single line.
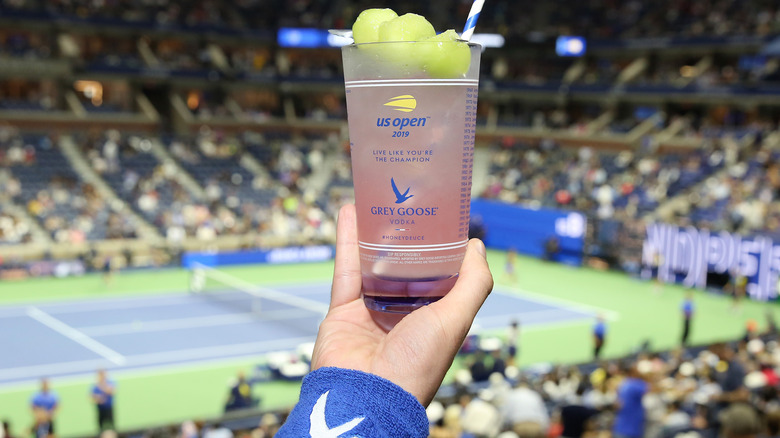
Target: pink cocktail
[(412, 143)]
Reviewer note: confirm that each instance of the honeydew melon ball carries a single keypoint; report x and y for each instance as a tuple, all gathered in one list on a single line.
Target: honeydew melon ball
[(445, 56), (366, 27), (407, 27)]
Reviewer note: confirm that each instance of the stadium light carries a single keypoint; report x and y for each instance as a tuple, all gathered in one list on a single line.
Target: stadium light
[(570, 46), (302, 37)]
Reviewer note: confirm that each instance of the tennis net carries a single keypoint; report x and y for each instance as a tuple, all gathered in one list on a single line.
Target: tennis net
[(262, 303)]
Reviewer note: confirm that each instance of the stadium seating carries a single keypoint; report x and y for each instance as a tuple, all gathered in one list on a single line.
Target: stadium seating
[(631, 190), (13, 230), (69, 209)]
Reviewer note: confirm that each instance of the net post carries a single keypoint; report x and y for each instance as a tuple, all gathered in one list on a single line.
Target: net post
[(197, 278)]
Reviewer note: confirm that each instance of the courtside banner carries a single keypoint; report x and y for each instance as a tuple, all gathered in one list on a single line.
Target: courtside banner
[(293, 254), (528, 230), (687, 255)]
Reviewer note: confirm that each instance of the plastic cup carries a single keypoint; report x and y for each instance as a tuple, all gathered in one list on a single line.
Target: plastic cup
[(412, 144)]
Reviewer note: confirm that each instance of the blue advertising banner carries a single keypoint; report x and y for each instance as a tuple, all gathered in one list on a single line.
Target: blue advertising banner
[(687, 255), (526, 230), (295, 254), (531, 231)]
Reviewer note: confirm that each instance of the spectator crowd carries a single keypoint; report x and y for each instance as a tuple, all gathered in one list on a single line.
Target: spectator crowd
[(724, 390)]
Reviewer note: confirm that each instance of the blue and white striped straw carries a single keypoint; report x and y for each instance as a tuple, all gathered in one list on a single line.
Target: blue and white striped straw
[(471, 23)]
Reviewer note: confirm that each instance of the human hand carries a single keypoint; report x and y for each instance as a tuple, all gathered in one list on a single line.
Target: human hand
[(419, 350)]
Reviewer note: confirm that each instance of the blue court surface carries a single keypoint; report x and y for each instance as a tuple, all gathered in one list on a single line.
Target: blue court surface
[(58, 339)]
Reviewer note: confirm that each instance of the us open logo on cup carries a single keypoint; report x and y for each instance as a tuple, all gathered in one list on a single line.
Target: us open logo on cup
[(405, 103)]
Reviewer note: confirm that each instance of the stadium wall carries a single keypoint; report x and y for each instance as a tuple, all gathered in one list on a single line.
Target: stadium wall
[(532, 231), (295, 254)]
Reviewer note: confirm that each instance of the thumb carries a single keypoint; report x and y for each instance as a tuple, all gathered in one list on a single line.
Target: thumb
[(475, 282)]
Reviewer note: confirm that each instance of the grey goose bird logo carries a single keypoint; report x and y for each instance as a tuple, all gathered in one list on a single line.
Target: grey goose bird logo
[(400, 198)]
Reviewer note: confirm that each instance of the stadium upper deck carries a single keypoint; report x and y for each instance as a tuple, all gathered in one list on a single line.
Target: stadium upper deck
[(671, 90)]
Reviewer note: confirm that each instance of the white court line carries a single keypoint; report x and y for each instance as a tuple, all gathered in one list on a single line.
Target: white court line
[(75, 335), (558, 325), (194, 322), (164, 300), (536, 297), (153, 358), (94, 305), (120, 304), (116, 304), (199, 352), (82, 377), (48, 370), (535, 317), (167, 324)]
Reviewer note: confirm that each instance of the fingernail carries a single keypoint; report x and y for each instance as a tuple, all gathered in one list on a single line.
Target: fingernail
[(481, 247)]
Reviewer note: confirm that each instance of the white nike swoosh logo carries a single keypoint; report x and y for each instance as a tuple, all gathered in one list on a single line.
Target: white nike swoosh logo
[(318, 427)]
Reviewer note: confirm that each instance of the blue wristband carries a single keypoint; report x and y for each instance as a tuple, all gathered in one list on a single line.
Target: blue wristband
[(337, 402)]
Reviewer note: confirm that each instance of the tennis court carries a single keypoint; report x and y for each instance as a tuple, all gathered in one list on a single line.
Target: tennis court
[(186, 345), (77, 337)]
